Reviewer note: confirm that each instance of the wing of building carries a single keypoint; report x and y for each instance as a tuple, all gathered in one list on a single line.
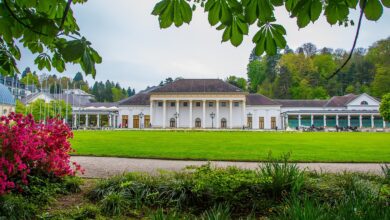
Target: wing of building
[(213, 103)]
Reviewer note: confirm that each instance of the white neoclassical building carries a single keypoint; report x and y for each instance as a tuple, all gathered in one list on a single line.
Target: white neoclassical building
[(215, 104)]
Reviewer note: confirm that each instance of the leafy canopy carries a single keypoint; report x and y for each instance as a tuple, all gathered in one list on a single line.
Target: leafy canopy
[(384, 108), (235, 16), (49, 30)]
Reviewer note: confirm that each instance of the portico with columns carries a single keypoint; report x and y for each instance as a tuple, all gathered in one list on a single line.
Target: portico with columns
[(198, 111)]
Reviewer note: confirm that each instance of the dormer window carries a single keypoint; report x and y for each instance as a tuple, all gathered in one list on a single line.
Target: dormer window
[(364, 103)]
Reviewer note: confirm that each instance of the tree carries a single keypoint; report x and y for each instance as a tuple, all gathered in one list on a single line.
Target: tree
[(381, 83), (256, 74), (384, 108), (47, 29), (78, 77), (238, 82), (20, 107), (234, 17), (30, 79), (309, 49)]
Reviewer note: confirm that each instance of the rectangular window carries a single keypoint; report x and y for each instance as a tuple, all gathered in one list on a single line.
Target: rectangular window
[(211, 104), (223, 104), (261, 123), (236, 104), (197, 104), (273, 122), (173, 104), (160, 104), (185, 104)]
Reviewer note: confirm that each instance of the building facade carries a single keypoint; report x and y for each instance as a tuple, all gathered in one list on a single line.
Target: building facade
[(215, 104), (7, 101)]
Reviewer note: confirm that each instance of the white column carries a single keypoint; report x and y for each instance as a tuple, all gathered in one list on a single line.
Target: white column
[(286, 125), (129, 117), (74, 120), (164, 112), (230, 114), (337, 120), (217, 114), (204, 114), (244, 122), (311, 120), (299, 120), (151, 112), (324, 120), (109, 120), (384, 123), (86, 120), (98, 121), (190, 114), (178, 112), (360, 121), (349, 120), (372, 121)]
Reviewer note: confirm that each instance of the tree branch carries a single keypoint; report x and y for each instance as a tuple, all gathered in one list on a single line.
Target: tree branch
[(354, 43)]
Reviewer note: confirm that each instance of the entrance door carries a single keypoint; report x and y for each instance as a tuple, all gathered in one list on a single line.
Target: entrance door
[(273, 122), (223, 123), (198, 123), (261, 122), (249, 122), (147, 121), (172, 123), (125, 121), (135, 121)]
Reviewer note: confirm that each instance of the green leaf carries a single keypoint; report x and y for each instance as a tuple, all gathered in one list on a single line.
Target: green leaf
[(373, 10), (352, 3), (177, 19), (166, 17), (226, 14), (72, 50), (270, 46), (251, 11), (386, 3), (214, 14), (186, 12), (236, 36), (159, 7), (315, 10), (226, 34), (277, 2)]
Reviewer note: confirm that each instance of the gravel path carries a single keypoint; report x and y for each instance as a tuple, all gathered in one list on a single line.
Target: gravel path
[(102, 167)]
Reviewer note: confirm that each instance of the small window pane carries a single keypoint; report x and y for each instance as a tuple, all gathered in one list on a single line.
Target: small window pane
[(211, 104), (160, 104), (197, 104), (223, 104), (173, 104), (236, 104), (185, 104)]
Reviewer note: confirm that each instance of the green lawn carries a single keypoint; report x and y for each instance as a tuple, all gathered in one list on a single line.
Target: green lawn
[(240, 146)]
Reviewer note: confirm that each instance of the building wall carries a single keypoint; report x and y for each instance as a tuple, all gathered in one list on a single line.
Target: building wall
[(6, 109), (267, 112)]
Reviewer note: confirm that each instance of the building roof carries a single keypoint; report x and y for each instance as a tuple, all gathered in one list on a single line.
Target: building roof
[(5, 96), (340, 101), (258, 99), (301, 103), (198, 86)]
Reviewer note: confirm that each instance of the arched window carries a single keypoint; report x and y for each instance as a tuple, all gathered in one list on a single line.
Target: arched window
[(223, 123), (198, 123), (172, 123), (364, 103)]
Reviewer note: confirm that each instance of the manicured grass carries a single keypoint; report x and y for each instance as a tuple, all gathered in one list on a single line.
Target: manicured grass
[(235, 146)]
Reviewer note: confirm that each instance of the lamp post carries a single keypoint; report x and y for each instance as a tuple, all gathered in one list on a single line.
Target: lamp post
[(212, 115), (250, 123), (141, 115), (176, 117)]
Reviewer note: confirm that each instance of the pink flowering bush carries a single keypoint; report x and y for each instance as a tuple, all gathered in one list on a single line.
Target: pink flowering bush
[(28, 147)]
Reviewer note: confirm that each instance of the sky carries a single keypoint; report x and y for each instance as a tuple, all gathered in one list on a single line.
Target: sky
[(137, 53)]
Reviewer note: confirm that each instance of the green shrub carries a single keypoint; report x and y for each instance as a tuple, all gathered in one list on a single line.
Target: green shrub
[(285, 177), (305, 209), (161, 215), (218, 212), (113, 204), (16, 207), (72, 184), (386, 172)]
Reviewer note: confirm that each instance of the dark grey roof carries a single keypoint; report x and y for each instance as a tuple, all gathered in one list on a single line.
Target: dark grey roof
[(301, 103), (258, 99), (340, 101), (6, 96), (197, 86), (137, 99)]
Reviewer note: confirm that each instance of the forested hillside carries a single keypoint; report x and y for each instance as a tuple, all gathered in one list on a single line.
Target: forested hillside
[(304, 73)]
